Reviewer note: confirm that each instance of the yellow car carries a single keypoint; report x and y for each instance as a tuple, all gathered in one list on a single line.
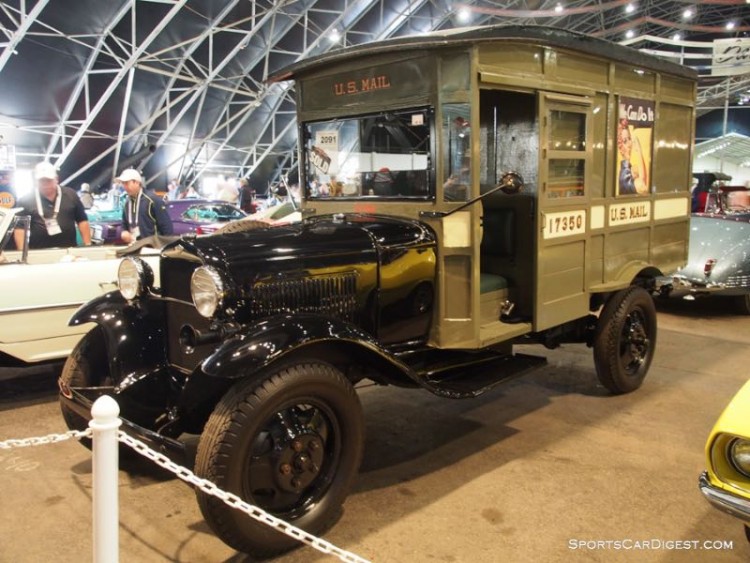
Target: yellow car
[(726, 483)]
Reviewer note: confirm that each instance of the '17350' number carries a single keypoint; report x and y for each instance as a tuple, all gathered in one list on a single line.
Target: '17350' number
[(564, 224)]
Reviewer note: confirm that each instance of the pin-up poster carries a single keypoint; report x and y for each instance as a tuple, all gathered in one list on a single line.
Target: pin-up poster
[(635, 133)]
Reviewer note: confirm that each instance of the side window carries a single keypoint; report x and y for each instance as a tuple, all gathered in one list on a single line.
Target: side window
[(567, 153), (456, 152)]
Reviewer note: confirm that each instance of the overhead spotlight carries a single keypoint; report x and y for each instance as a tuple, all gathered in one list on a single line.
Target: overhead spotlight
[(335, 36), (730, 26), (687, 14), (677, 36), (630, 34), (629, 9), (464, 15), (559, 8)]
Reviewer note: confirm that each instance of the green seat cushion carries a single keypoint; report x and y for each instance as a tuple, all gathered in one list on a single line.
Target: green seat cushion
[(492, 282)]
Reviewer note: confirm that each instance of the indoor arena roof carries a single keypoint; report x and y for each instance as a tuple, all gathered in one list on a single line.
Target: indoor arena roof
[(178, 87)]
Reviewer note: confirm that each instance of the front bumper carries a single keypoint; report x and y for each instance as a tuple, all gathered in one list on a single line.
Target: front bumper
[(734, 505), (687, 288)]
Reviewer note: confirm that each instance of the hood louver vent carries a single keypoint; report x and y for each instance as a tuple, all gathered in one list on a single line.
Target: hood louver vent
[(332, 295)]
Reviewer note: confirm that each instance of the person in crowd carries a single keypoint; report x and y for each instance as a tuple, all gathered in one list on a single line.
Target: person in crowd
[(277, 197), (55, 212), (190, 193), (173, 190), (247, 196), (145, 213), (229, 192), (114, 195), (87, 199)]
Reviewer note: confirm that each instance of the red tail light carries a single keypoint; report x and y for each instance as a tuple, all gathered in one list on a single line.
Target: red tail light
[(708, 267)]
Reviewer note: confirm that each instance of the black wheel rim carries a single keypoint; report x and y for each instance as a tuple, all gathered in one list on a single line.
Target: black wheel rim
[(293, 459), (635, 343)]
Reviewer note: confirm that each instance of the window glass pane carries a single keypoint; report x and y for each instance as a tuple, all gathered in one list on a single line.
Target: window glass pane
[(456, 152), (386, 155), (565, 177), (568, 131)]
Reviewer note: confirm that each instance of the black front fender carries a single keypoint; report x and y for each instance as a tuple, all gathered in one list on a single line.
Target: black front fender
[(249, 354), (133, 331), (270, 340)]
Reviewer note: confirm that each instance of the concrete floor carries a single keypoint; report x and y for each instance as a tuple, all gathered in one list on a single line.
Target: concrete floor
[(518, 474)]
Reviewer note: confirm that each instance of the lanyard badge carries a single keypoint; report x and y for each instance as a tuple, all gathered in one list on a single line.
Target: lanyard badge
[(51, 223), (133, 215)]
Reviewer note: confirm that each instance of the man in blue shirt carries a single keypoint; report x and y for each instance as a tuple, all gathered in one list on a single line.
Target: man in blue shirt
[(144, 213)]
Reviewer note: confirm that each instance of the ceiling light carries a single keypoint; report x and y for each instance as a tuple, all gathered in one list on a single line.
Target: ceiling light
[(559, 8), (335, 36), (687, 14), (629, 9), (677, 36), (464, 15), (730, 25), (630, 34)]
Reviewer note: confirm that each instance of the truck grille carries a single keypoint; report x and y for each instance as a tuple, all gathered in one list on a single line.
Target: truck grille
[(334, 295), (175, 278)]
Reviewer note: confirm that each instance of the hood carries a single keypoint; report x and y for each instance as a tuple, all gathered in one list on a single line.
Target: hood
[(725, 239), (327, 240)]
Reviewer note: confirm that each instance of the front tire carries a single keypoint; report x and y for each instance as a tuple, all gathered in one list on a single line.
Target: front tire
[(87, 366), (291, 445), (625, 340)]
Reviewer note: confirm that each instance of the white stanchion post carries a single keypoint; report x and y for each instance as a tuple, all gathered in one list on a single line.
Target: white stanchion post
[(104, 425)]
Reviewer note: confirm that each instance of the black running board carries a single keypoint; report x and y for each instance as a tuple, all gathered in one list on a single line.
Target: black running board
[(471, 379)]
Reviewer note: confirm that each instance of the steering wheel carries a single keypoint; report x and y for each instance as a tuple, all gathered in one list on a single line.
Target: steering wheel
[(511, 183)]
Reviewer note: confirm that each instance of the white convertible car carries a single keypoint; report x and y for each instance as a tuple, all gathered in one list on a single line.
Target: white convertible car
[(41, 289)]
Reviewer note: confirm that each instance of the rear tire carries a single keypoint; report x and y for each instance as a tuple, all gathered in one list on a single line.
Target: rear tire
[(625, 340), (290, 444)]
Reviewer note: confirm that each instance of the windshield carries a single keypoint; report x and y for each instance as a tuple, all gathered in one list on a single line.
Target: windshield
[(380, 156)]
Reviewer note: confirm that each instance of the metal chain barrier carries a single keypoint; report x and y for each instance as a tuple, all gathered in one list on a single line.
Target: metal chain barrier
[(43, 440), (203, 484), (236, 502)]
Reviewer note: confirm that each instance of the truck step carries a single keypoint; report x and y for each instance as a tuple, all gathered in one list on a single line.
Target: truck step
[(471, 379)]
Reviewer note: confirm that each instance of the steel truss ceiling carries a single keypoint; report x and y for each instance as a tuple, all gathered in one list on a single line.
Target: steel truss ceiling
[(177, 87)]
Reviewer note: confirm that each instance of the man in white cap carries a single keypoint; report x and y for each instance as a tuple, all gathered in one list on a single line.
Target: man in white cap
[(55, 211), (145, 213)]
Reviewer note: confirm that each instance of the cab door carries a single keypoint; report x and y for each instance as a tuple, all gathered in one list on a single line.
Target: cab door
[(564, 170)]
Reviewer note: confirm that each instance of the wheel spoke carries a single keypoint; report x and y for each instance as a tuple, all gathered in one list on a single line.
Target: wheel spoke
[(288, 423)]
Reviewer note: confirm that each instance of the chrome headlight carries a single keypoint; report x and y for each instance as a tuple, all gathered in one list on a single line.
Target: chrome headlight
[(134, 277), (207, 289), (739, 455)]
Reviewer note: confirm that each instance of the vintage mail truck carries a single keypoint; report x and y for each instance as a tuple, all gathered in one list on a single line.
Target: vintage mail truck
[(463, 192)]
